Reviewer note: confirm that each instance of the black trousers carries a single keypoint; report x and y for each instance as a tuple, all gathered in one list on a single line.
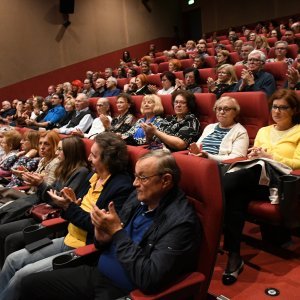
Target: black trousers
[(83, 282), (240, 188), (11, 237)]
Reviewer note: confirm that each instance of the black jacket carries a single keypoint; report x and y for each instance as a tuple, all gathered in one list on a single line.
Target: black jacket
[(117, 189), (168, 248)]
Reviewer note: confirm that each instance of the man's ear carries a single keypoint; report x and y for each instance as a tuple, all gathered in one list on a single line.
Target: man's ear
[(167, 179)]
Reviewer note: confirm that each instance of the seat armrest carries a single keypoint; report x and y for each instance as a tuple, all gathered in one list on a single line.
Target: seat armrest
[(296, 172), (183, 289), (36, 232), (86, 250), (233, 160)]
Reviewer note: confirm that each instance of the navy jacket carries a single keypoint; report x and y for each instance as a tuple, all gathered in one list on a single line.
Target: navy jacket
[(117, 189)]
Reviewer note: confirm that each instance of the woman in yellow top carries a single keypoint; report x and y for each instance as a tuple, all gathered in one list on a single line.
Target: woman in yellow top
[(279, 142)]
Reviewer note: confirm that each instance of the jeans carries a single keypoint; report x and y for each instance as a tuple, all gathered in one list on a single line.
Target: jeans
[(22, 263)]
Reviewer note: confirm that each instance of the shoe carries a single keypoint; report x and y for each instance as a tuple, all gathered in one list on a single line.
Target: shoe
[(231, 278)]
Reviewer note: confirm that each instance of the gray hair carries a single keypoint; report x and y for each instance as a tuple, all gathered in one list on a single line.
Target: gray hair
[(166, 163), (227, 98), (262, 55)]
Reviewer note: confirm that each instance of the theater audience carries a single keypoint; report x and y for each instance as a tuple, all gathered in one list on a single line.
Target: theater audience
[(26, 160), (77, 86), (156, 181), (226, 81), (111, 87), (6, 111), (168, 84), (151, 108), (191, 81), (279, 143), (88, 87), (255, 78), (174, 65), (125, 119), (280, 53), (111, 182), (70, 112), (82, 119), (53, 116), (226, 139), (10, 143), (97, 127), (141, 81), (99, 87), (223, 58), (178, 131), (245, 50)]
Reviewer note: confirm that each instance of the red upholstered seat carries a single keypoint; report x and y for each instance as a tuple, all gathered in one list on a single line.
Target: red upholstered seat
[(210, 61), (163, 67), (204, 74), (121, 82), (155, 80), (254, 111), (278, 70)]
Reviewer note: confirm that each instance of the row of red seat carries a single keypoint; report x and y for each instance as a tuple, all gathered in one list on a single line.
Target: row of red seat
[(277, 69)]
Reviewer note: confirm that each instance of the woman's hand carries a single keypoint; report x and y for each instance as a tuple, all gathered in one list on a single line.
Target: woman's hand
[(58, 199), (258, 152), (33, 179), (69, 194), (77, 132), (152, 88), (179, 84), (150, 130), (211, 84)]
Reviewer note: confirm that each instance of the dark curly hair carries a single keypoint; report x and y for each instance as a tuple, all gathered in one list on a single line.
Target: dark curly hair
[(114, 153)]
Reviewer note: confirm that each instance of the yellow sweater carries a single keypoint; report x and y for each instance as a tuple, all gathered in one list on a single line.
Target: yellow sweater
[(286, 150)]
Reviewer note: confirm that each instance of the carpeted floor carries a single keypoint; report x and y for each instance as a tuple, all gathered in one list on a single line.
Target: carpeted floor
[(278, 269)]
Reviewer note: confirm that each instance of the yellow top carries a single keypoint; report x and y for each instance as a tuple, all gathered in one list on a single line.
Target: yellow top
[(285, 148), (76, 237)]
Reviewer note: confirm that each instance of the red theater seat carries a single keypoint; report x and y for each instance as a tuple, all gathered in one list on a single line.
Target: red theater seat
[(155, 80), (204, 74), (254, 112), (163, 67), (278, 70), (210, 61)]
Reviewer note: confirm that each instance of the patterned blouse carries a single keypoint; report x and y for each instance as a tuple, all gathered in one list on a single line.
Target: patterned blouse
[(121, 124), (29, 163), (136, 135), (188, 129)]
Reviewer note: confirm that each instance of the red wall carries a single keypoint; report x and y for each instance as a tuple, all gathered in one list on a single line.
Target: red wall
[(38, 85)]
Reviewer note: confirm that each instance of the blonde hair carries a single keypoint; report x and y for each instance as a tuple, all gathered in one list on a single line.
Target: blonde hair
[(230, 69), (158, 107)]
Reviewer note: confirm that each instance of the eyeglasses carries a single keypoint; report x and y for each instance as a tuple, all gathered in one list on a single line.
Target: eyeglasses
[(225, 109), (100, 105), (280, 48), (280, 107), (178, 102), (255, 60), (143, 178)]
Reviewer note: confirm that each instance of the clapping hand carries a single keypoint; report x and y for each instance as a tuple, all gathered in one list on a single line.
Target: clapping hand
[(33, 179), (106, 222)]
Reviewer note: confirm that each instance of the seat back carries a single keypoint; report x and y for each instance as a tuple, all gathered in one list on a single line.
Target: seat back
[(186, 63), (254, 112), (210, 61), (201, 182), (204, 109), (204, 74), (278, 70), (163, 67), (121, 82), (155, 80)]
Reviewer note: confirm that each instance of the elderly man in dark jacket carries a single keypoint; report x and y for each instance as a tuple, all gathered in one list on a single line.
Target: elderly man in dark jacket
[(148, 245)]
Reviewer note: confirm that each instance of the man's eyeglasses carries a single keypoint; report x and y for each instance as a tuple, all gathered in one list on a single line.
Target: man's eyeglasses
[(255, 60), (143, 178), (100, 105), (280, 107), (225, 109), (280, 48)]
